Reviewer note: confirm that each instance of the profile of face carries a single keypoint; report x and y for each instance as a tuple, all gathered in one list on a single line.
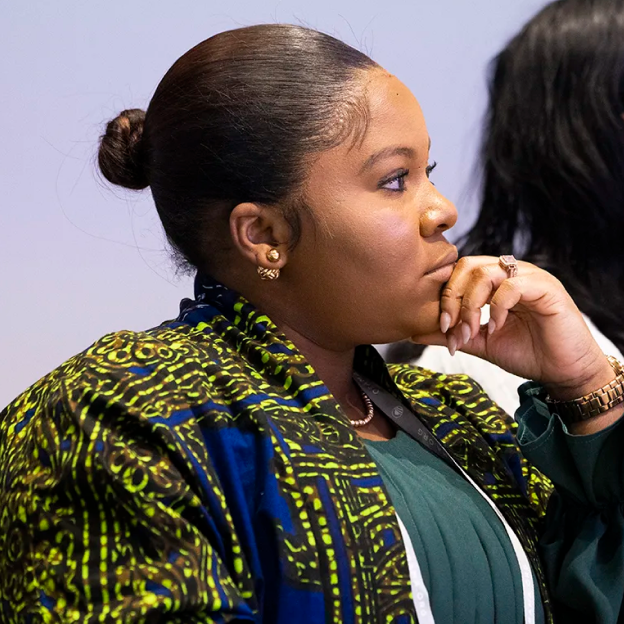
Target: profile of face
[(372, 258), (289, 162)]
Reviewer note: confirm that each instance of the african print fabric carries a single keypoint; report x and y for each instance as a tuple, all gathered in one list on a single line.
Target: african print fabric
[(202, 472)]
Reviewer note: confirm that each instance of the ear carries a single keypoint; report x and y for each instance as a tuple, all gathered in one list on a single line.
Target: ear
[(256, 229)]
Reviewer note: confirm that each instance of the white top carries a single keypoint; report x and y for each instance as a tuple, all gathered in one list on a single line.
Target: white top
[(501, 386)]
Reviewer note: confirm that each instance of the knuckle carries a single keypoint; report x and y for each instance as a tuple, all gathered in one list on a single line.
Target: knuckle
[(513, 284), (467, 305), (464, 263), (448, 294), (482, 271), (495, 307)]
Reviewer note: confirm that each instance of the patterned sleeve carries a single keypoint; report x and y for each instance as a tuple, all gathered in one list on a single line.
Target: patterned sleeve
[(99, 519)]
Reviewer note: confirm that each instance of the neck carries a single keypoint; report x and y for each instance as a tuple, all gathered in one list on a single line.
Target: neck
[(335, 368)]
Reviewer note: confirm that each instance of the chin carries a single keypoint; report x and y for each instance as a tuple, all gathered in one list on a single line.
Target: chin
[(404, 331), (401, 319), (426, 321)]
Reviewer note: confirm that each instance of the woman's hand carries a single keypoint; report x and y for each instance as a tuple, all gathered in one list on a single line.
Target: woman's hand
[(535, 330)]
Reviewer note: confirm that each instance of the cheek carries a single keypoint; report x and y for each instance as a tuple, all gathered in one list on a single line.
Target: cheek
[(372, 250), (396, 223), (390, 239), (397, 245)]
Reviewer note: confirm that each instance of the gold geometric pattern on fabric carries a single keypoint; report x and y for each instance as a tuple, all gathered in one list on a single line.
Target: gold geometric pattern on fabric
[(201, 471), (110, 498)]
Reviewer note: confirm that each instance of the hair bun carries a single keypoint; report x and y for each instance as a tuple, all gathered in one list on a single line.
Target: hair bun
[(121, 156)]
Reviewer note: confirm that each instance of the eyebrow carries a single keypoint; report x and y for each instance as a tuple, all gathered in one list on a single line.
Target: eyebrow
[(387, 153)]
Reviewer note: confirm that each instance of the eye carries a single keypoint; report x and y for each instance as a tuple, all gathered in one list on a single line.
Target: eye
[(430, 168), (396, 183)]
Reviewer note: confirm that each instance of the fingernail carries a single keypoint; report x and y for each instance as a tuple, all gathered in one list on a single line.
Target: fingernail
[(445, 322), (452, 344), (491, 326), (466, 333)]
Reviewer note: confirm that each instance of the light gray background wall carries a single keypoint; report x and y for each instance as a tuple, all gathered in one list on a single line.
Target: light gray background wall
[(78, 259)]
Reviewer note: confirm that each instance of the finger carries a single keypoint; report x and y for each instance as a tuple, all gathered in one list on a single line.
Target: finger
[(451, 339), (476, 346), (478, 292), (506, 297), (454, 338), (469, 269), (537, 292)]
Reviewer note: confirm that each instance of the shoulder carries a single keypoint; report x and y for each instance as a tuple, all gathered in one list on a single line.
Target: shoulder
[(132, 399), (123, 368)]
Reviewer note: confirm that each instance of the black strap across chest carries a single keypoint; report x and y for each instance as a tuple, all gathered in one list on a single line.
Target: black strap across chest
[(403, 418)]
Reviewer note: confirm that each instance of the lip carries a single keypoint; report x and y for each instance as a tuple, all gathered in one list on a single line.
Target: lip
[(445, 265)]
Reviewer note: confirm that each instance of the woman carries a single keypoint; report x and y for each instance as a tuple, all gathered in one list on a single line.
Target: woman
[(251, 460), (553, 171)]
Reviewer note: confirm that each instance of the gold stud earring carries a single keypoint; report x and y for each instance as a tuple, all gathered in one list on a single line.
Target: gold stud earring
[(273, 255), (268, 274)]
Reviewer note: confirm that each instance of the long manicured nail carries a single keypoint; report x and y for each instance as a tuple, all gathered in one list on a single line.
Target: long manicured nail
[(491, 326), (445, 322), (452, 344), (466, 333)]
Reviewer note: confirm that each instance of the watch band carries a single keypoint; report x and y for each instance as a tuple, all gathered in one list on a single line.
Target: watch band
[(594, 403)]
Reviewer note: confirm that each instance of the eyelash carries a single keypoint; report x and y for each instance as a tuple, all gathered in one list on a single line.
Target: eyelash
[(400, 177)]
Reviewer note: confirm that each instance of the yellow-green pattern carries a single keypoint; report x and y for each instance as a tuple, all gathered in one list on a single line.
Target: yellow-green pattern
[(202, 472)]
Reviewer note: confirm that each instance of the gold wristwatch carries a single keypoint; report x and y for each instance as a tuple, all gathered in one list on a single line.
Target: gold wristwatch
[(594, 403)]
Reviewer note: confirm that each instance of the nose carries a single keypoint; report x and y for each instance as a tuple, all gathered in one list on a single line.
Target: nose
[(439, 216)]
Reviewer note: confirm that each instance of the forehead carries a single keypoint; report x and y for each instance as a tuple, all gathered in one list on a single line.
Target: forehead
[(394, 113), (394, 120)]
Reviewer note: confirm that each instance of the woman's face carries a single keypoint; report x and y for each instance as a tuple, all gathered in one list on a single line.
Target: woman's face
[(368, 270)]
